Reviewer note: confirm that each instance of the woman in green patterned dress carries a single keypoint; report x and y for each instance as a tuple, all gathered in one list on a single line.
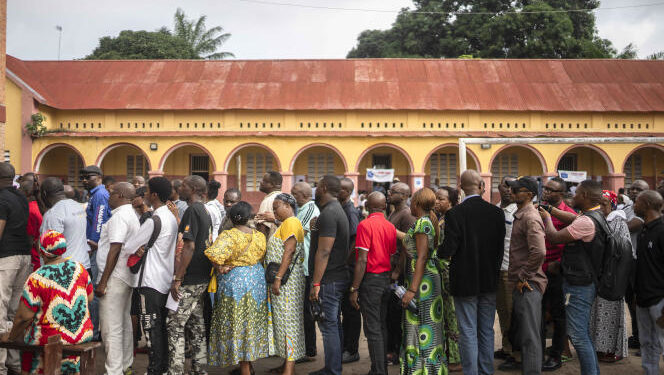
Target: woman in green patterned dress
[(286, 302), (446, 198), (422, 350)]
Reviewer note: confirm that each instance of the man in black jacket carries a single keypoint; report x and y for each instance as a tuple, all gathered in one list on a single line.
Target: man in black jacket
[(474, 234)]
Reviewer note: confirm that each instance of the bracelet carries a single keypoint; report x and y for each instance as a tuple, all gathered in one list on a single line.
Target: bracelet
[(412, 291), (316, 284), (175, 278), (277, 277)]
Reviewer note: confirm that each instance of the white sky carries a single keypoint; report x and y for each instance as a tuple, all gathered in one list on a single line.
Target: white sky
[(259, 31)]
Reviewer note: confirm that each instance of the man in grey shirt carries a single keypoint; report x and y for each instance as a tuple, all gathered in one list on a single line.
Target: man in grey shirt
[(67, 217), (175, 198)]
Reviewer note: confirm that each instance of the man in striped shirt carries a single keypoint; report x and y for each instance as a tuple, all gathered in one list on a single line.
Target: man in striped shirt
[(308, 210)]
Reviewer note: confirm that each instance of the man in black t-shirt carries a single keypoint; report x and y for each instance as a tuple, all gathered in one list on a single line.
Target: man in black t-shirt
[(15, 264), (192, 275), (327, 262)]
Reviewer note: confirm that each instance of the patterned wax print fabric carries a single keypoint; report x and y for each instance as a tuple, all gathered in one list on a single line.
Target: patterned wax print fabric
[(423, 350), (239, 321), (285, 311), (450, 326), (58, 294)]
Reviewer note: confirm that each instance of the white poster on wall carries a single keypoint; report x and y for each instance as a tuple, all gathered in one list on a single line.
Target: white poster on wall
[(380, 175), (573, 176), (418, 183)]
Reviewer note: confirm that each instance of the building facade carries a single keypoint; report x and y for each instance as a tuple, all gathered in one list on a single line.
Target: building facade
[(234, 120)]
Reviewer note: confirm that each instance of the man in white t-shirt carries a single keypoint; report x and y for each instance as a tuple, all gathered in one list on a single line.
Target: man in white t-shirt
[(580, 268), (270, 185), (157, 272), (67, 217), (115, 280)]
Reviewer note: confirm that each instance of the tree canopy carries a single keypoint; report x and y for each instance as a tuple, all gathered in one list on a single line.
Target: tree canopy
[(131, 45), (190, 39), (502, 29)]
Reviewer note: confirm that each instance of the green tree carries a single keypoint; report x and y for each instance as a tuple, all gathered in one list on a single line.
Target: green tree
[(131, 45), (504, 29), (656, 56), (203, 41)]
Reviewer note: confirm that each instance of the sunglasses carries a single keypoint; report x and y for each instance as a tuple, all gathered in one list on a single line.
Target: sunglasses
[(87, 176), (519, 190), (551, 190)]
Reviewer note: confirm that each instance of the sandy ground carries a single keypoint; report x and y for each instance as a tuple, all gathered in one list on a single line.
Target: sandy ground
[(630, 365)]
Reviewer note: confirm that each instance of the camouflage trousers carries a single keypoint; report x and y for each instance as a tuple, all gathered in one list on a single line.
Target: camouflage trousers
[(187, 325)]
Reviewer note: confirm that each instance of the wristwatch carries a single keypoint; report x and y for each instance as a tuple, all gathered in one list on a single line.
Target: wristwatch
[(353, 289)]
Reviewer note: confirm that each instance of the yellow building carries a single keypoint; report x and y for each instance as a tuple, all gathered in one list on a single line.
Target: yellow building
[(235, 120)]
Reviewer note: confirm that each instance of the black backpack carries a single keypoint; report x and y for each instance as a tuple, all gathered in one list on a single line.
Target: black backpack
[(617, 261)]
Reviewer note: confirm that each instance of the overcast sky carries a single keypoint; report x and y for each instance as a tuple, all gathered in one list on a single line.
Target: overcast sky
[(259, 31)]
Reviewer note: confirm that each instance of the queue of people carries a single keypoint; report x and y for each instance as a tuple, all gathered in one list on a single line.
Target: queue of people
[(424, 273)]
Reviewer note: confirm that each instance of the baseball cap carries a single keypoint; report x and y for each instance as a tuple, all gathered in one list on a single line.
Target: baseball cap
[(524, 182), (91, 169)]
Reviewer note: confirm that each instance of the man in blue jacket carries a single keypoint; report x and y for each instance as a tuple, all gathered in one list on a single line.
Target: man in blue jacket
[(97, 214)]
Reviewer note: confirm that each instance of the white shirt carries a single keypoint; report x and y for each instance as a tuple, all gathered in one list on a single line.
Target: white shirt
[(629, 215), (159, 264), (509, 221), (69, 218), (120, 228), (217, 213)]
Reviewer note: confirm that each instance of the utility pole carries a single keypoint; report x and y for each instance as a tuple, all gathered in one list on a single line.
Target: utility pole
[(59, 28)]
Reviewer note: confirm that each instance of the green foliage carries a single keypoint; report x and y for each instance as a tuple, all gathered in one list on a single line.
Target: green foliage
[(656, 56), (131, 45), (202, 41), (512, 29), (36, 128)]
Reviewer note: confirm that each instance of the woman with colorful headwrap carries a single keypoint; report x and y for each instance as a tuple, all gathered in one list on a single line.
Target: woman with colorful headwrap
[(54, 302), (607, 319)]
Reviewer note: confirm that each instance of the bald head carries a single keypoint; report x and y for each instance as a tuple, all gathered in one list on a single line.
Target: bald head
[(7, 174), (376, 202), (650, 200), (398, 193), (471, 182), (637, 187), (70, 193), (301, 191), (124, 189)]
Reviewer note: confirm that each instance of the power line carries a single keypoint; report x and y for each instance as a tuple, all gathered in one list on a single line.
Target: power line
[(461, 13)]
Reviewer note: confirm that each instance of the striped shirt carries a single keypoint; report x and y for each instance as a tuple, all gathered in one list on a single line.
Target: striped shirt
[(305, 213)]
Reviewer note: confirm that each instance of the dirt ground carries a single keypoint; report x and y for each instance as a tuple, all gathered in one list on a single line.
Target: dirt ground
[(629, 365)]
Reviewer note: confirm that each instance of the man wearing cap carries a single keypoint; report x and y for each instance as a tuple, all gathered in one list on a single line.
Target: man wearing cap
[(527, 253), (97, 214)]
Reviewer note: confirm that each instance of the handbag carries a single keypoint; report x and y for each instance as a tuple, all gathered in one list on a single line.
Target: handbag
[(137, 263), (273, 268)]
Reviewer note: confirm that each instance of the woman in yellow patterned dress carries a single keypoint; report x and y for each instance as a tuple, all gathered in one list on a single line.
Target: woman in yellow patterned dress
[(286, 301), (239, 321)]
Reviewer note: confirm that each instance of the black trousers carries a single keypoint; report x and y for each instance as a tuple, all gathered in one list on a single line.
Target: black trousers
[(309, 324), (553, 300), (374, 299), (630, 299), (153, 320), (352, 320)]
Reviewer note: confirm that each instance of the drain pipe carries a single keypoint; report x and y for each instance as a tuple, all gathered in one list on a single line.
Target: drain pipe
[(517, 141)]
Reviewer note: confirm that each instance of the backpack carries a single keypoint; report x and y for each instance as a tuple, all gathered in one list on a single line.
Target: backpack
[(136, 263), (617, 261)]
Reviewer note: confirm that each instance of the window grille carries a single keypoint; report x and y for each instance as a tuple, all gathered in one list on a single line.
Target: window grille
[(137, 165), (443, 166), (74, 166), (200, 166), (568, 163), (258, 163), (503, 165), (633, 169), (319, 165)]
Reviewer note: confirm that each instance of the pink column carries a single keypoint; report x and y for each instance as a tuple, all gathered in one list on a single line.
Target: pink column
[(549, 175), (287, 183), (354, 176), (614, 181), (411, 180), (222, 177), (486, 176), (155, 174)]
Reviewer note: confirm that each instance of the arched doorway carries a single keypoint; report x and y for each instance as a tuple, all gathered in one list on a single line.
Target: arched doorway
[(442, 166), (515, 160), (246, 166), (62, 161), (124, 161), (186, 159), (587, 158), (383, 156), (315, 161), (645, 162)]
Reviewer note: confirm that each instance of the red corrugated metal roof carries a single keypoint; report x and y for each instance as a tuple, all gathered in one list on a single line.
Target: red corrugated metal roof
[(369, 84)]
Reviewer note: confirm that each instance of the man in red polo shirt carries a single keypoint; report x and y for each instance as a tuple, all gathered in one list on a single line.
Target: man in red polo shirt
[(553, 299), (376, 241)]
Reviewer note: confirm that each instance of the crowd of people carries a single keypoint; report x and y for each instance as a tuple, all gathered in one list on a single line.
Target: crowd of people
[(216, 282)]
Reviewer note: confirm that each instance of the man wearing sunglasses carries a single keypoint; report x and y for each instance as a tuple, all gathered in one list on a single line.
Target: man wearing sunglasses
[(97, 214)]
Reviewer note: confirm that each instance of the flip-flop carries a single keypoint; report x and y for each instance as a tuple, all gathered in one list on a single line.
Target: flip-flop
[(564, 358)]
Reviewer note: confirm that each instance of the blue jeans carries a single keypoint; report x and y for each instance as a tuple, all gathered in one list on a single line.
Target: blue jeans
[(578, 303), (475, 316), (331, 296)]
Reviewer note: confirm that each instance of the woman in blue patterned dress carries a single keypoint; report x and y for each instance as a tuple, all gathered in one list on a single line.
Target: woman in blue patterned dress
[(422, 350), (286, 301), (239, 322)]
